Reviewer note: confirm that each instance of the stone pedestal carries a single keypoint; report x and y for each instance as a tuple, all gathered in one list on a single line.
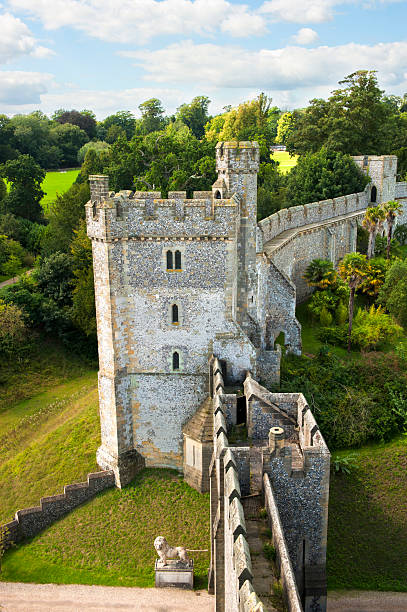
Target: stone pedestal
[(174, 574)]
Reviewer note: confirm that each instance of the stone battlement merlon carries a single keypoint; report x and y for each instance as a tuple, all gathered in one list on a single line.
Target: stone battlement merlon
[(121, 215), (243, 156)]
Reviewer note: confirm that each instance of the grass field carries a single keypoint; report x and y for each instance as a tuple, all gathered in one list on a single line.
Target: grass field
[(367, 529), (286, 162), (110, 539), (56, 183)]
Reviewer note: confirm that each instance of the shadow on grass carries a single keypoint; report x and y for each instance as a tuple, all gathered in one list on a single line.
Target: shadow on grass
[(366, 546)]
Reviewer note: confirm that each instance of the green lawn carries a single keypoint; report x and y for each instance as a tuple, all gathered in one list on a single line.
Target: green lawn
[(56, 183), (49, 433), (286, 162), (110, 539), (367, 529)]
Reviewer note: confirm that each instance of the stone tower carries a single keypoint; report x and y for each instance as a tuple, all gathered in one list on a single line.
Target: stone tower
[(382, 169), (175, 281)]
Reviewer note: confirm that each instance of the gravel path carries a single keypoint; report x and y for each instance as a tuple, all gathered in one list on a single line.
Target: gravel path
[(18, 597), (366, 601)]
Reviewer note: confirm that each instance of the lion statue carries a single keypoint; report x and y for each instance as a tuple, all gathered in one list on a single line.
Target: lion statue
[(165, 551)]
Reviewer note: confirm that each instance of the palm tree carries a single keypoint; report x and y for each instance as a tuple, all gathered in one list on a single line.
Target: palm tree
[(352, 270), (373, 222), (391, 210), (320, 273)]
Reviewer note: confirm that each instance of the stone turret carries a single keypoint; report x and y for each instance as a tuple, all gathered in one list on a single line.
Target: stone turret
[(237, 164)]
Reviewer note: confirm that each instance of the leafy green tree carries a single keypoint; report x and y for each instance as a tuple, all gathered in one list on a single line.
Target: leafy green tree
[(8, 145), (152, 112), (84, 120), (285, 126), (195, 115), (69, 139), (54, 278), (356, 119), (114, 133), (373, 222), (324, 175), (271, 192), (123, 119), (25, 176), (393, 294), (83, 312), (13, 332), (96, 145), (64, 217), (352, 270)]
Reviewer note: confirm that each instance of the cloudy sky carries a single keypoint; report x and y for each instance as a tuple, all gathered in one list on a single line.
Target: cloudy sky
[(109, 55)]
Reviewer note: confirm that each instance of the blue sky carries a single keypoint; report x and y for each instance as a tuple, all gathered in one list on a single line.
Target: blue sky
[(107, 55)]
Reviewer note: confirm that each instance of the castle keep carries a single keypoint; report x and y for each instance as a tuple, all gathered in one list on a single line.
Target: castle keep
[(191, 295)]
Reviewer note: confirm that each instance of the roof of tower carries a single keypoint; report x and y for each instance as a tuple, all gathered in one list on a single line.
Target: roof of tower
[(200, 425)]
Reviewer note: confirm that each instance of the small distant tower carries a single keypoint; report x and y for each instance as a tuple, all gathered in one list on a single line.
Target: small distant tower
[(382, 169), (237, 164)]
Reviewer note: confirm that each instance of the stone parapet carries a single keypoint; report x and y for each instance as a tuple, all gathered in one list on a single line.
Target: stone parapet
[(30, 521)]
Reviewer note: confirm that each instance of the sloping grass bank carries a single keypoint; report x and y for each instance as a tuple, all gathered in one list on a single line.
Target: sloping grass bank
[(110, 540), (367, 530)]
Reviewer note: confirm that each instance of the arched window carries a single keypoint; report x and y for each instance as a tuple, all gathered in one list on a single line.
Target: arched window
[(174, 312), (94, 211), (169, 261), (217, 195), (178, 265), (175, 361), (373, 194)]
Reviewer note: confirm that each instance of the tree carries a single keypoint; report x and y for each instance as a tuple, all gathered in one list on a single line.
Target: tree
[(8, 145), (195, 115), (152, 113), (285, 126), (25, 176), (13, 333), (69, 139), (65, 215), (324, 175), (96, 145), (352, 270), (84, 120), (320, 273), (83, 312), (393, 294), (373, 222), (124, 119), (54, 278), (355, 119), (391, 210)]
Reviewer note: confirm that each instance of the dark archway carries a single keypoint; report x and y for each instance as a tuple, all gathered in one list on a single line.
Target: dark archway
[(175, 361), (217, 195), (373, 194)]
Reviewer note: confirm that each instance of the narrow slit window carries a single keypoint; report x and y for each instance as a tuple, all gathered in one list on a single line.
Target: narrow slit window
[(175, 319), (170, 265), (178, 260), (175, 361)]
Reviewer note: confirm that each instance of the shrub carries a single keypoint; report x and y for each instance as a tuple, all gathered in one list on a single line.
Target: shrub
[(325, 317), (13, 330), (341, 314), (393, 294), (332, 335), (345, 464), (400, 233), (373, 327), (269, 551)]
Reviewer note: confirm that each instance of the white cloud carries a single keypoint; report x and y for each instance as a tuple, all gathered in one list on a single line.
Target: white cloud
[(18, 87), (102, 102), (312, 11), (17, 40), (137, 21), (305, 36), (270, 69)]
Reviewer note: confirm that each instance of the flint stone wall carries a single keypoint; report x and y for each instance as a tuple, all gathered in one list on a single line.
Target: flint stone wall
[(30, 521)]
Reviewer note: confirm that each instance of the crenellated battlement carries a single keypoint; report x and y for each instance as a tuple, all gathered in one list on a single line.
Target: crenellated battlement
[(144, 214), (243, 156)]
